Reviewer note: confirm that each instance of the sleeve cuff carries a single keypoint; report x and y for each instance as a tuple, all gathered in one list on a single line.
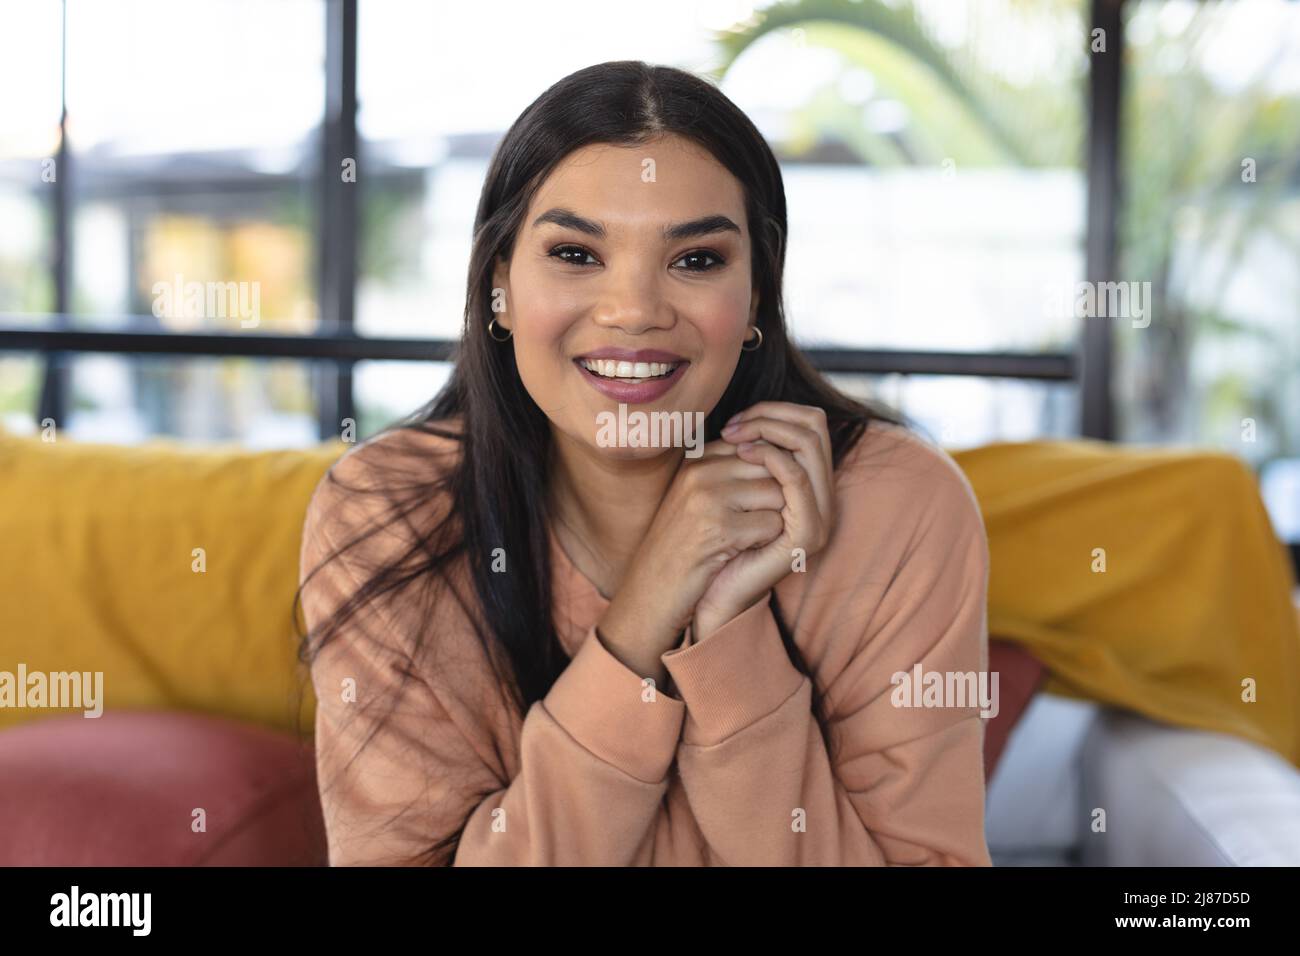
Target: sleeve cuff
[(601, 703), (735, 676)]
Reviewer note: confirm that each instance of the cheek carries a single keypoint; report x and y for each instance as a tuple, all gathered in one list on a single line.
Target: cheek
[(543, 310), (543, 316), (723, 315)]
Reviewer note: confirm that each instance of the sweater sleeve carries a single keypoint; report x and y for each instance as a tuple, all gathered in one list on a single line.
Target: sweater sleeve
[(907, 787), (403, 766)]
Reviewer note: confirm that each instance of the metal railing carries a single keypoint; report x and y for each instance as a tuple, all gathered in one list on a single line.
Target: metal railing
[(340, 347)]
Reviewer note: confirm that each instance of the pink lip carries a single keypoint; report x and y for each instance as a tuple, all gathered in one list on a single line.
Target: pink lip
[(632, 355), (632, 393)]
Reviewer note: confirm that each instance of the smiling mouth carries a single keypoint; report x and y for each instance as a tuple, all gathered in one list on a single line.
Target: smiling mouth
[(629, 371)]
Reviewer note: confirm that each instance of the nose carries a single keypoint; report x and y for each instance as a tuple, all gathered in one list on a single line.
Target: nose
[(632, 300)]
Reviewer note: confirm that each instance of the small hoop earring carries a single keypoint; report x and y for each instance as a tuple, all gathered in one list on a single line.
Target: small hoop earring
[(757, 343), (492, 324)]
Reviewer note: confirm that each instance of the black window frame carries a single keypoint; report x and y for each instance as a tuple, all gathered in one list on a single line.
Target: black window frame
[(337, 347)]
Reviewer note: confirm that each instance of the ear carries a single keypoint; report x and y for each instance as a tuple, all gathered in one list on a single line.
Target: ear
[(501, 280), (753, 308)]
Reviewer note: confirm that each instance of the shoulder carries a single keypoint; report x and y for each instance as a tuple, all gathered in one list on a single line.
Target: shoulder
[(905, 572), (372, 563), (374, 460), (376, 481), (896, 486)]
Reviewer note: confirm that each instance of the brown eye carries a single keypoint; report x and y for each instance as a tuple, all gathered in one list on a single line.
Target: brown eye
[(563, 253), (697, 258)]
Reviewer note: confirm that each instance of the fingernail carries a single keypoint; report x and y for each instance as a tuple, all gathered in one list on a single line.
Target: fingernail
[(745, 446), (732, 419), (729, 429)]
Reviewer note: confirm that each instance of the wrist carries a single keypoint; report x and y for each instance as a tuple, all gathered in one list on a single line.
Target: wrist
[(708, 620), (640, 622), (640, 660), (636, 638)]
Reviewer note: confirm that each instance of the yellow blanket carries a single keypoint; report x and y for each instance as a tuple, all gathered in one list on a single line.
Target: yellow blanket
[(1147, 578)]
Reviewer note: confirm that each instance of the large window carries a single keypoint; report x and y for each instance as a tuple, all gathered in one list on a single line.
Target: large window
[(934, 182), (29, 136), (202, 178), (945, 165), (1211, 221)]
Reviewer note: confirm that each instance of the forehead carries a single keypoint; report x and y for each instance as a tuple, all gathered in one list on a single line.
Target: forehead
[(669, 179)]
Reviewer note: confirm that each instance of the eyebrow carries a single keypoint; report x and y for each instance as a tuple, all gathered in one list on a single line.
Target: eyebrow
[(704, 226)]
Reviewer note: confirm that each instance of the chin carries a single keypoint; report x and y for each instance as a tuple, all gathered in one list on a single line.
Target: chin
[(624, 453)]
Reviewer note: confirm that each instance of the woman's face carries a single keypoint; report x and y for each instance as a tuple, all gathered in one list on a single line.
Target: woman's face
[(634, 254)]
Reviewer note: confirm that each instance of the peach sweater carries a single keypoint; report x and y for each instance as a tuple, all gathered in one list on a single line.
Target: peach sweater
[(729, 769)]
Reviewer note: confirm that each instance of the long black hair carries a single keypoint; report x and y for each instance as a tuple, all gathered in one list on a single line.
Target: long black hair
[(497, 483)]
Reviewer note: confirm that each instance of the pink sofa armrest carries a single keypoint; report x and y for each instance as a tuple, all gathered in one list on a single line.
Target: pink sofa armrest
[(130, 788)]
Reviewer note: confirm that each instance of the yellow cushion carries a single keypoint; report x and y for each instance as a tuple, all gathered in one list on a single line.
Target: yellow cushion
[(98, 573)]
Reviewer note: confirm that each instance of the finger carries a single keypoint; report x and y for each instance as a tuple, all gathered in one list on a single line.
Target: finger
[(810, 416), (725, 465), (754, 529), (723, 448), (717, 447), (805, 522), (799, 440), (807, 415), (758, 494)]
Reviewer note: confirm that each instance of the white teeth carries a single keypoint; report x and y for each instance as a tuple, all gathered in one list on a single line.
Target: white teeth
[(633, 371)]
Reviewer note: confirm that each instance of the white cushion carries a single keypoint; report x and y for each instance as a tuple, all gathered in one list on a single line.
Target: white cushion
[(1180, 797), (1033, 805)]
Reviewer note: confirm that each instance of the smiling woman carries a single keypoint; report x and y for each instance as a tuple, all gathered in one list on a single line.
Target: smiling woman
[(530, 646)]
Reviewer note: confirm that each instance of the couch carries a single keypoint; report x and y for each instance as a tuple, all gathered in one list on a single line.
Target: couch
[(171, 570)]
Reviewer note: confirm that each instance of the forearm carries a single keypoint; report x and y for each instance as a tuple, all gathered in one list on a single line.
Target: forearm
[(594, 762), (632, 634)]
